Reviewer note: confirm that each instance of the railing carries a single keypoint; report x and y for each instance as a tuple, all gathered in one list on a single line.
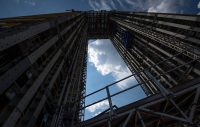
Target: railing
[(109, 96), (161, 89)]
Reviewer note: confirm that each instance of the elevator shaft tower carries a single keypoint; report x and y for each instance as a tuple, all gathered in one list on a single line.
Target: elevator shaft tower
[(43, 66)]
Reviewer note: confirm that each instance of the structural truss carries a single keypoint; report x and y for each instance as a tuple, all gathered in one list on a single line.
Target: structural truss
[(43, 69)]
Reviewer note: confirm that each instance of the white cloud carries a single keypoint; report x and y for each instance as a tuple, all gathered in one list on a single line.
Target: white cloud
[(120, 3), (99, 106), (102, 4), (113, 4), (106, 60), (165, 6), (198, 6), (131, 2), (27, 2), (96, 114)]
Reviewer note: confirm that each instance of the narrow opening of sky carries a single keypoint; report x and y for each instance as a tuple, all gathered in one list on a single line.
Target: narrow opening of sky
[(104, 67)]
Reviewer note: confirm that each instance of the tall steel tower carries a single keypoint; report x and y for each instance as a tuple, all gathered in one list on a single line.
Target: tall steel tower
[(43, 68)]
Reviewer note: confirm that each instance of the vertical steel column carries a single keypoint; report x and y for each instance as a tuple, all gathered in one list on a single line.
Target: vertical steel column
[(110, 106)]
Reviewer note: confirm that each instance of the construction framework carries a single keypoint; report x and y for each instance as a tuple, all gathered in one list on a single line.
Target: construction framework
[(43, 68)]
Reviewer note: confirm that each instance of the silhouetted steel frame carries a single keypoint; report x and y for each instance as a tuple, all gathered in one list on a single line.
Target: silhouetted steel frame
[(167, 95), (144, 108), (137, 73), (167, 40)]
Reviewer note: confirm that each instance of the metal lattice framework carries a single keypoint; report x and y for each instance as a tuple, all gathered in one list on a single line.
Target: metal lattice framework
[(169, 107), (43, 68)]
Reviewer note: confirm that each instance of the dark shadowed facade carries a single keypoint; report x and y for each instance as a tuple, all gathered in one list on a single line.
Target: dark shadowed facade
[(43, 68)]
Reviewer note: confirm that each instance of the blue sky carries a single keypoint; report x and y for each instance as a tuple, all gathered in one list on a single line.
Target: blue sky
[(11, 8), (105, 66), (104, 63)]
